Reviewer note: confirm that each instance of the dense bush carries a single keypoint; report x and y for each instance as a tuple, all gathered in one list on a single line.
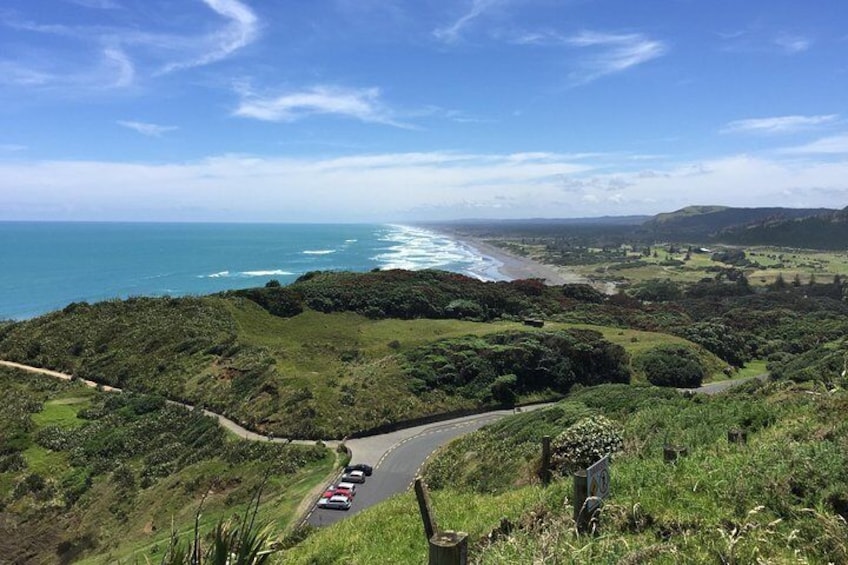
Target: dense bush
[(658, 291), (672, 365), (278, 301), (722, 340), (584, 443), (425, 294), (539, 361)]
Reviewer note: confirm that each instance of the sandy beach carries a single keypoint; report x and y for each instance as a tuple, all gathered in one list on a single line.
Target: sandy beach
[(517, 267)]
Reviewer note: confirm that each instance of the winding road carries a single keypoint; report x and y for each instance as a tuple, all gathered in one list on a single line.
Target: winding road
[(399, 455)]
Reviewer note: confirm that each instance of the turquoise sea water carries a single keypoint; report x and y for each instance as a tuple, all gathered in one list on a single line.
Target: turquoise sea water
[(44, 266)]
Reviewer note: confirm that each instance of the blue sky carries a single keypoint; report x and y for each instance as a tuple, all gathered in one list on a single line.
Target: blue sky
[(389, 110)]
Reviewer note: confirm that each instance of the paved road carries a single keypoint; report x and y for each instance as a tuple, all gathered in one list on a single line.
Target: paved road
[(721, 386), (400, 456)]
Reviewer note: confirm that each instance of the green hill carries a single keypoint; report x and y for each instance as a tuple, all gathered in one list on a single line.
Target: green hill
[(92, 475), (267, 358), (827, 230), (702, 224), (779, 498)]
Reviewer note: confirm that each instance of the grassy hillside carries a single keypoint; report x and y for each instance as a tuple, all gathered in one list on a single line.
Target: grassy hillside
[(782, 497), (703, 223), (307, 374), (824, 231), (86, 474)]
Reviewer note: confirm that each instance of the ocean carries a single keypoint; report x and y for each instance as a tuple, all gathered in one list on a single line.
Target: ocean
[(45, 265)]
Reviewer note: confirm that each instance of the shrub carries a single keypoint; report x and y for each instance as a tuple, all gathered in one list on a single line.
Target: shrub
[(676, 366), (584, 443)]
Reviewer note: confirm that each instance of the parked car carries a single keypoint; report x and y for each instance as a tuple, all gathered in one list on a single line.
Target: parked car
[(354, 477), (337, 502), (347, 489), (367, 469)]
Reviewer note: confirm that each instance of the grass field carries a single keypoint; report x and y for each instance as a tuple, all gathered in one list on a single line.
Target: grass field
[(822, 265), (309, 348), (773, 500)]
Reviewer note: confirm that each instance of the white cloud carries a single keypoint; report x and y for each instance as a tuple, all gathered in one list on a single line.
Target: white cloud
[(833, 145), (613, 53), (232, 187), (453, 32), (243, 29), (97, 4), (126, 49), (792, 44), (405, 186), (778, 124), (151, 130), (16, 74), (361, 104), (124, 69)]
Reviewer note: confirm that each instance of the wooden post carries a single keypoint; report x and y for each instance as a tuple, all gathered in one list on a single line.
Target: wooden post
[(449, 548), (424, 507), (581, 493), (672, 453), (545, 471), (737, 436)]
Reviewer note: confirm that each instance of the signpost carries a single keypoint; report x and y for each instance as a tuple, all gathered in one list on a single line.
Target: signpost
[(598, 483)]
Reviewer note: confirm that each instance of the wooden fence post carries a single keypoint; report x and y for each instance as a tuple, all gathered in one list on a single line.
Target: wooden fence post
[(737, 436), (449, 548), (673, 452), (546, 461), (445, 548), (581, 493), (424, 508)]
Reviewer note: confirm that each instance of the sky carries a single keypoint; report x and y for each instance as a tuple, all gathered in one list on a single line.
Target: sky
[(405, 110)]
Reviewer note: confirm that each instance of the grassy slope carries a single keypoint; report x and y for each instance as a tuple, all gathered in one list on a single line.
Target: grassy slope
[(775, 499), (300, 373), (135, 524)]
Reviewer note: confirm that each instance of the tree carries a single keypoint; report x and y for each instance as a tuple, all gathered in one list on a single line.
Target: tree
[(672, 366), (503, 390)]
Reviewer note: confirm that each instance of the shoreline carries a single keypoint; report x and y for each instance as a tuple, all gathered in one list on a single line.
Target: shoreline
[(515, 267)]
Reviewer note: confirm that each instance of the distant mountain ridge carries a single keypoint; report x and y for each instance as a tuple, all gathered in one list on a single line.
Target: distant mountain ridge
[(825, 230), (721, 223)]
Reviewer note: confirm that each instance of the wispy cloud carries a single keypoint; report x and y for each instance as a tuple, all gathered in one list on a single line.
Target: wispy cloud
[(832, 145), (243, 29), (124, 69), (756, 39), (361, 104), (614, 53), (365, 186), (779, 124), (452, 33), (12, 147), (130, 51), (17, 74), (150, 130), (792, 43), (98, 4)]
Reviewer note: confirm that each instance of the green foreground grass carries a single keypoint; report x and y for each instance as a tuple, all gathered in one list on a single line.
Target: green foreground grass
[(95, 477), (780, 498)]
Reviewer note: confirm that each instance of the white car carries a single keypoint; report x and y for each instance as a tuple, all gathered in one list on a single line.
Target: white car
[(349, 487), (336, 502), (354, 477)]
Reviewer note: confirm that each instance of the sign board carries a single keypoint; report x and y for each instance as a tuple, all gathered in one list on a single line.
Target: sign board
[(597, 483)]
